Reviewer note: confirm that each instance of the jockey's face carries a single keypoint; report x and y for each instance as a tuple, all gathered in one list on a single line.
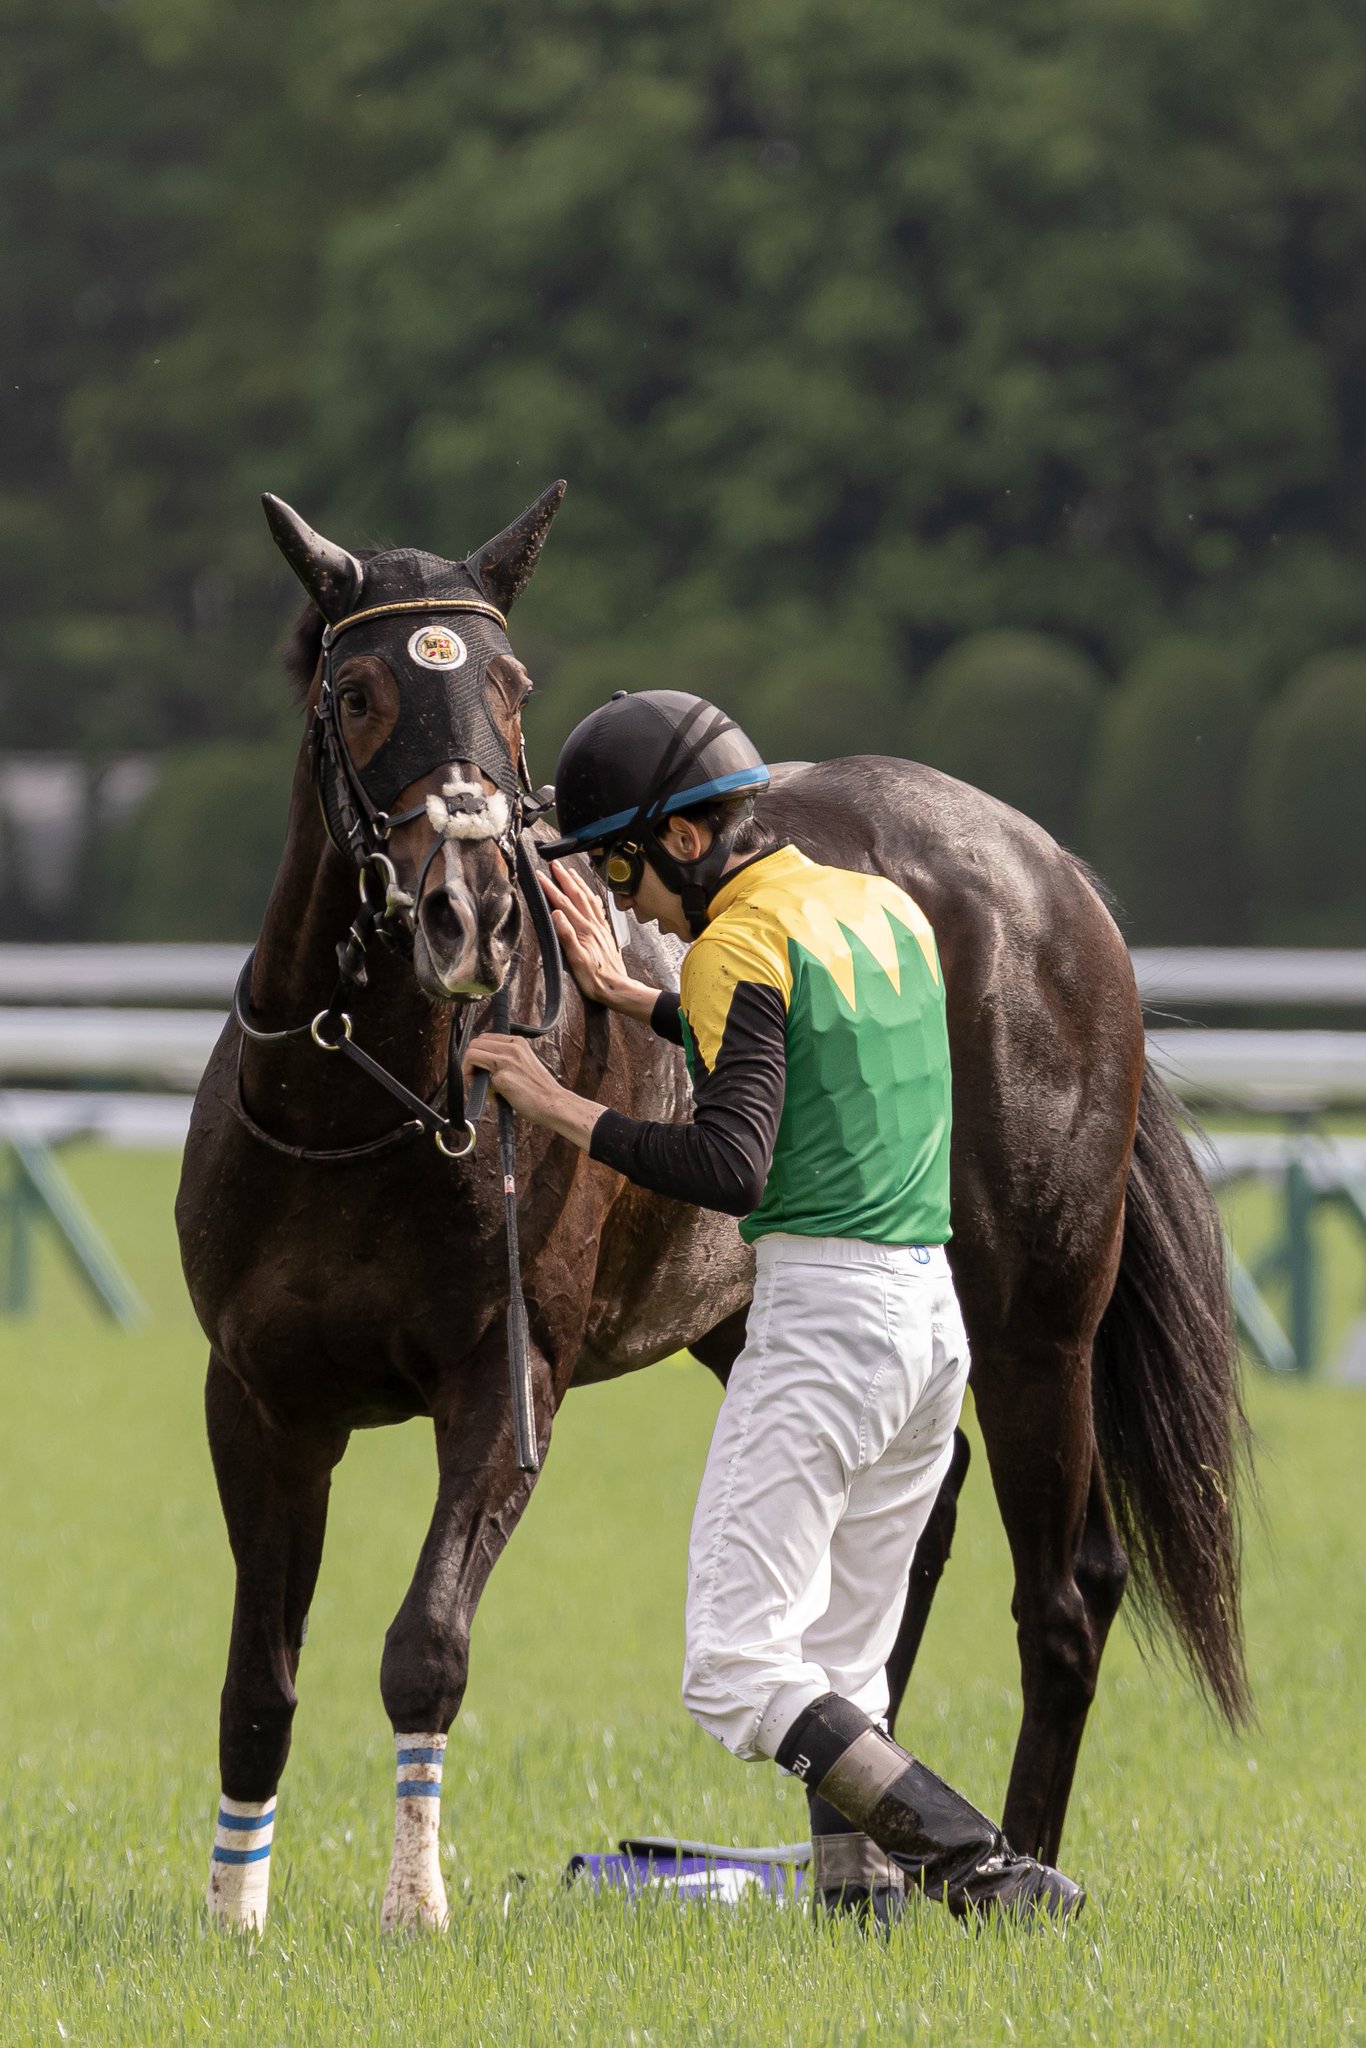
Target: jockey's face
[(652, 902)]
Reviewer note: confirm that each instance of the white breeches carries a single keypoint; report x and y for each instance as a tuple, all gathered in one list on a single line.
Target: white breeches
[(834, 1436)]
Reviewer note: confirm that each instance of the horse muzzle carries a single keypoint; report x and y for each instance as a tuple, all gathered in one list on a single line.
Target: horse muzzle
[(464, 938)]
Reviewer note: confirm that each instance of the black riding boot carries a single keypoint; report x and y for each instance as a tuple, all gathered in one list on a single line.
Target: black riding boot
[(929, 1831), (850, 1875)]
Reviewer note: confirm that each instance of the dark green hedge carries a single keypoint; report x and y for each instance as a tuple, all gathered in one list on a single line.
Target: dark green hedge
[(197, 861), (1162, 813), (1215, 816), (1015, 714), (1304, 808)]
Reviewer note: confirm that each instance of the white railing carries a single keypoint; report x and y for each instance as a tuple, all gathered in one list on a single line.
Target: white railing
[(49, 1116), (119, 974), (1261, 975), (178, 974), (1280, 1072), (168, 1047), (84, 1014)]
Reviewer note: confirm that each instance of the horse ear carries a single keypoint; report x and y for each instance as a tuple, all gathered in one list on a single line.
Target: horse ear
[(331, 577), (502, 567)]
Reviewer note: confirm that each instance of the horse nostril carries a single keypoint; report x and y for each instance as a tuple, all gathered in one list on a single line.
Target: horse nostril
[(505, 922), (443, 922)]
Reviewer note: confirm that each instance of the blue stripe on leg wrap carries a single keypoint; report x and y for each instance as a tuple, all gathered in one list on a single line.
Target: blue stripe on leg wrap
[(421, 1756), (244, 1822), (417, 1788), (240, 1855)]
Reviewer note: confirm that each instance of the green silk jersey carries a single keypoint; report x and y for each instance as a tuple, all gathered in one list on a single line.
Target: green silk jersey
[(848, 965)]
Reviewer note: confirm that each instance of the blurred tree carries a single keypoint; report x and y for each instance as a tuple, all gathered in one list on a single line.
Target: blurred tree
[(826, 699), (1013, 713), (1161, 817), (798, 694), (870, 326), (1303, 808), (197, 861)]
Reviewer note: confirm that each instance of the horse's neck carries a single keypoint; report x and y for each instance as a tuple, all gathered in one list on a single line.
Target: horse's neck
[(299, 1092)]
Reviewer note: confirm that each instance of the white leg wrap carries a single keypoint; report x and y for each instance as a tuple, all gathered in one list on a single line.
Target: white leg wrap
[(239, 1869), (415, 1895)]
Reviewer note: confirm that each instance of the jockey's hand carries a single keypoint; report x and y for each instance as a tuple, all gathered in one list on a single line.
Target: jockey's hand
[(518, 1076), (590, 945)]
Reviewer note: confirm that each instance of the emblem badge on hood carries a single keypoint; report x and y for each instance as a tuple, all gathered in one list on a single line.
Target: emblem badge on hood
[(438, 647)]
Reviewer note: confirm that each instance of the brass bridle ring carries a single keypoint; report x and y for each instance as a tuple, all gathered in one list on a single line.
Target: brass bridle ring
[(471, 1140), (329, 1044)]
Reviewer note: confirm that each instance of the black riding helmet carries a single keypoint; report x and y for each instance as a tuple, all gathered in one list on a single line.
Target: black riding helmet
[(631, 764)]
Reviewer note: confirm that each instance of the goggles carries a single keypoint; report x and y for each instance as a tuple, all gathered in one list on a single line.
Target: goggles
[(621, 866)]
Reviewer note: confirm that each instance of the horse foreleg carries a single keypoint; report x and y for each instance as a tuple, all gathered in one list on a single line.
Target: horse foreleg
[(1070, 1574), (274, 1490), (480, 1498), (927, 1569)]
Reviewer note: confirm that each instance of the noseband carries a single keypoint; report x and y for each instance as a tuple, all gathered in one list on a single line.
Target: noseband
[(360, 830)]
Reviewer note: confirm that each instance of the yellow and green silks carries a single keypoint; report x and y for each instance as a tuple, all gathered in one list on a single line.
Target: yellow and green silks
[(863, 1145)]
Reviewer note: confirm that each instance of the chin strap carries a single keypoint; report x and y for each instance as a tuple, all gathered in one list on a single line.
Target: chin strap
[(695, 882)]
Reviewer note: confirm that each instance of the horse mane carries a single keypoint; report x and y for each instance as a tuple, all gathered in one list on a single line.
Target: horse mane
[(302, 648)]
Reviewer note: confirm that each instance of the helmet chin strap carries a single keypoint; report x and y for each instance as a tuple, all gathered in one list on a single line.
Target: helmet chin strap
[(695, 882)]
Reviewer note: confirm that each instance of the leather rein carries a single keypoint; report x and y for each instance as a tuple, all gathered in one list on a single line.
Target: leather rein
[(360, 831)]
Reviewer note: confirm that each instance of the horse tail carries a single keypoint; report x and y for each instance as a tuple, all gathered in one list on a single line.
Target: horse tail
[(1169, 1419)]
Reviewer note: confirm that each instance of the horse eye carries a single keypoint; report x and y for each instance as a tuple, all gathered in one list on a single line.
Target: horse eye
[(354, 701)]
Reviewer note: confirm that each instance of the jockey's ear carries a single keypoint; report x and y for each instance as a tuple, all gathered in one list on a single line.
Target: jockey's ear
[(331, 577), (687, 839), (503, 566)]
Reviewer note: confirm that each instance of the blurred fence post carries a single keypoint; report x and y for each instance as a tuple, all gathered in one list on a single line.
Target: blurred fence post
[(38, 1191)]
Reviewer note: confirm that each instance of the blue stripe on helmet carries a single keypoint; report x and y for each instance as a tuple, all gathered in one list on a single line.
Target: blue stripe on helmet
[(720, 785), (589, 835)]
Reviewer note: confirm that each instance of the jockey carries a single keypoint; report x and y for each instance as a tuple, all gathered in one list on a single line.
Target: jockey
[(812, 1015)]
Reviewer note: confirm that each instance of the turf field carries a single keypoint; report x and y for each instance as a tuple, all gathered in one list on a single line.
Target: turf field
[(1227, 1880)]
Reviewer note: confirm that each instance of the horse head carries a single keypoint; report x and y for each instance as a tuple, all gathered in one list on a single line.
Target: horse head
[(417, 734)]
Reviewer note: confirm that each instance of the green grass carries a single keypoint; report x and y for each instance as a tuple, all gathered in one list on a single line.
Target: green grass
[(1226, 1878)]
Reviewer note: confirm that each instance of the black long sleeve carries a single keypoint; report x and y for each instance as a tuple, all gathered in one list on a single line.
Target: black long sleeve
[(666, 1018), (721, 1159)]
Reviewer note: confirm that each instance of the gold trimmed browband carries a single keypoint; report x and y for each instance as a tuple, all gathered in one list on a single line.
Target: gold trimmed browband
[(422, 604)]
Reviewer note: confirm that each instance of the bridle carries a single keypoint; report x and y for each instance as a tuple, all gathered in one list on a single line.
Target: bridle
[(360, 830)]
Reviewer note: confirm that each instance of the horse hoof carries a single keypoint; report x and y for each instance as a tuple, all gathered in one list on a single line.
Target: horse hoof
[(409, 1911), (236, 1916)]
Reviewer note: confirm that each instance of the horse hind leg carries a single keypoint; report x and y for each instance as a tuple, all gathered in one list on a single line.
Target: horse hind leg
[(1073, 1638), (480, 1499), (927, 1569), (1070, 1575), (274, 1489)]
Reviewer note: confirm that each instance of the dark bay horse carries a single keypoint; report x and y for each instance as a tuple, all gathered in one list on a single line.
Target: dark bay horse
[(369, 1286)]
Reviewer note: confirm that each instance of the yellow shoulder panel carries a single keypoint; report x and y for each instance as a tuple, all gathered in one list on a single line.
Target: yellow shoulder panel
[(735, 949), (826, 905)]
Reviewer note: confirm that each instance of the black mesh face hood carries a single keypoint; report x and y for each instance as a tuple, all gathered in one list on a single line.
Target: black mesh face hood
[(438, 626), (440, 661)]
